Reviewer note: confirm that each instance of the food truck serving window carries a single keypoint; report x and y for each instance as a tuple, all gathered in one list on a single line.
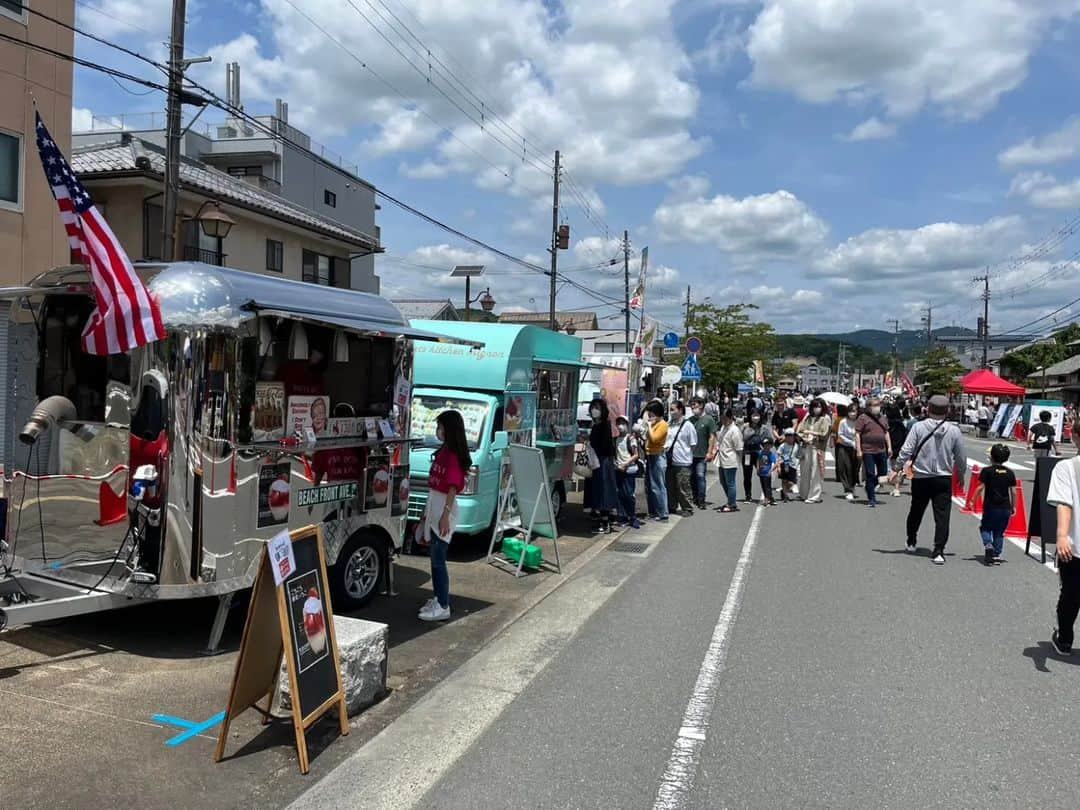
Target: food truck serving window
[(64, 368), (314, 376), (555, 388), (425, 409)]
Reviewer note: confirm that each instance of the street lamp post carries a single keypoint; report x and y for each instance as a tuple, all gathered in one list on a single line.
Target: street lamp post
[(468, 272), (215, 223)]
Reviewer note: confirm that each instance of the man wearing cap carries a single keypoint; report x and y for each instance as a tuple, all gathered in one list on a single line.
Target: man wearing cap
[(933, 448)]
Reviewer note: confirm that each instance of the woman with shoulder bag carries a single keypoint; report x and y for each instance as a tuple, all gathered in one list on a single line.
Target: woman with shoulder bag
[(752, 434), (814, 431), (604, 497), (627, 467)]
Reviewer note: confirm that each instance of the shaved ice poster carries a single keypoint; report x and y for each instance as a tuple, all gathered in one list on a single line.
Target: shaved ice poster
[(274, 486)]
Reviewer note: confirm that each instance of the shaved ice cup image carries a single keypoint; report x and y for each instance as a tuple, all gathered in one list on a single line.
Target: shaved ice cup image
[(279, 498), (380, 486), (314, 622), (403, 493), (512, 414)]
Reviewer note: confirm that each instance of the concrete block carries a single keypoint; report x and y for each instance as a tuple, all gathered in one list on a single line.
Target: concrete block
[(362, 647)]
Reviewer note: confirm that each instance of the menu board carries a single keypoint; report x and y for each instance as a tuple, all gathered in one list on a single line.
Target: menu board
[(400, 492), (268, 418), (274, 488), (379, 482), (426, 409)]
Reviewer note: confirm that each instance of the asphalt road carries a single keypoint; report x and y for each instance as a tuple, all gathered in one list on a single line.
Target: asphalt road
[(811, 663)]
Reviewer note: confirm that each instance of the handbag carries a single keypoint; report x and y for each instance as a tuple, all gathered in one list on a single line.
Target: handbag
[(581, 464), (591, 458)]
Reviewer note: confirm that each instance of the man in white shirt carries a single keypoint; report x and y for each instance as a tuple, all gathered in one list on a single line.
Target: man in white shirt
[(681, 440), (1064, 493)]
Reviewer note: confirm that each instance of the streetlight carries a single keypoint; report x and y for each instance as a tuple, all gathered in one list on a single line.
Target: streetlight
[(215, 223), (468, 272)]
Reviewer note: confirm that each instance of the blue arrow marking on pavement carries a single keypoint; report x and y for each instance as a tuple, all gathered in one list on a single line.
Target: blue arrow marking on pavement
[(192, 729)]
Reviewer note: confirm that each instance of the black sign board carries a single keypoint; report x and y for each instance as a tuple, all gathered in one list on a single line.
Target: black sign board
[(297, 620), (1042, 519)]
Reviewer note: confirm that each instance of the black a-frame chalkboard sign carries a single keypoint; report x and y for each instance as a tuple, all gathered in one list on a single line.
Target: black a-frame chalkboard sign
[(294, 619)]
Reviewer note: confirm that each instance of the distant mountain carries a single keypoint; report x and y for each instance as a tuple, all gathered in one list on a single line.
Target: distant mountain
[(878, 341)]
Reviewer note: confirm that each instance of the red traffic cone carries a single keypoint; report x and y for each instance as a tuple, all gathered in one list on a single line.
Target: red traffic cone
[(1018, 523), (957, 484), (971, 508), (112, 508)]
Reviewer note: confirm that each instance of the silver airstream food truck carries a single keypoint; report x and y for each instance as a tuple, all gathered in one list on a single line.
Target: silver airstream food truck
[(160, 473)]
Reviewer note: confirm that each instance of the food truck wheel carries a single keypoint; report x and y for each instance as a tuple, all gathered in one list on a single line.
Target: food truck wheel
[(358, 571), (558, 498)]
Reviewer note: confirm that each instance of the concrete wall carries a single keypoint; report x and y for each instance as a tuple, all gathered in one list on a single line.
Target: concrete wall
[(244, 247), (31, 236)]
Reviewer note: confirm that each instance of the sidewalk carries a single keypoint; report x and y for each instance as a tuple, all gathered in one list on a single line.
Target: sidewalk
[(93, 698)]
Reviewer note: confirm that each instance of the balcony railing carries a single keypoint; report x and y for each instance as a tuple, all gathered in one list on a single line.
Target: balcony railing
[(194, 254)]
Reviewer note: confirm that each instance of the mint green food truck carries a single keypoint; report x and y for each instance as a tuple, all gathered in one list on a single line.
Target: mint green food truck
[(520, 388)]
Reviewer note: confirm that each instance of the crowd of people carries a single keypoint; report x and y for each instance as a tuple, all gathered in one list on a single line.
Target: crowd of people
[(783, 445)]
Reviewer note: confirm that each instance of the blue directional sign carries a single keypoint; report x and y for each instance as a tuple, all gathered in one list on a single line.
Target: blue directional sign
[(690, 368), (671, 340)]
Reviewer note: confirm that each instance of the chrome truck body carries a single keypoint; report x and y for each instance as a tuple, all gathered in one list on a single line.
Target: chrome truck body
[(270, 405)]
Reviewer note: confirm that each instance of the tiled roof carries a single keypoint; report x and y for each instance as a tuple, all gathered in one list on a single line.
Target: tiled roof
[(135, 155), (1069, 366), (580, 320), (423, 308)]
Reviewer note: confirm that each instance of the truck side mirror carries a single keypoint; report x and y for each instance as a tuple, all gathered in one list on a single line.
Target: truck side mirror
[(500, 441)]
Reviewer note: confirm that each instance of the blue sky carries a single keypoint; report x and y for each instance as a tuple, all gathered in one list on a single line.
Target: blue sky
[(836, 163)]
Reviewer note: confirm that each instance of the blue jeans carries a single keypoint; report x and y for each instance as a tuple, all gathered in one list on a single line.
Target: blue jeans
[(994, 523), (440, 574), (698, 482), (874, 464), (658, 486), (729, 486), (627, 504)]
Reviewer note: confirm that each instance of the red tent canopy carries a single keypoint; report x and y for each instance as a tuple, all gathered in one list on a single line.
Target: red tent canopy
[(984, 381)]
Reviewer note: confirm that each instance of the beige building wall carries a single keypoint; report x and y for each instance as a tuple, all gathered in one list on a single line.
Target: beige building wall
[(121, 201), (32, 238)]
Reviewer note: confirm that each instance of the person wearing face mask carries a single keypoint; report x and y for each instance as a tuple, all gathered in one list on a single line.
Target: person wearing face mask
[(604, 492), (753, 434), (628, 463), (704, 449), (656, 460), (680, 451), (873, 446), (846, 460), (814, 431), (729, 445)]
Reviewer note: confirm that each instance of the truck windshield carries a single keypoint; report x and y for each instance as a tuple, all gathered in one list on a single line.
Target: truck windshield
[(425, 409)]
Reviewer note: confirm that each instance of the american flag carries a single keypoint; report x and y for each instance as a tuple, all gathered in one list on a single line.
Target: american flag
[(126, 315)]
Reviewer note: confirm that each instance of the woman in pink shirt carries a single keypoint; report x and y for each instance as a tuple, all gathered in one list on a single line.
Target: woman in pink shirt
[(447, 479)]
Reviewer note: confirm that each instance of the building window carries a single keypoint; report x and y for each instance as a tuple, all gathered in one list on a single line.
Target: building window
[(318, 269), (11, 162), (275, 256), (330, 198), (198, 247), (14, 9)]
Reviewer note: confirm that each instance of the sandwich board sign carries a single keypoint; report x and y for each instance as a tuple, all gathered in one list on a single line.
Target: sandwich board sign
[(294, 619)]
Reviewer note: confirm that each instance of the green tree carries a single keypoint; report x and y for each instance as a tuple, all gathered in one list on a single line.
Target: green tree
[(1023, 363), (731, 342), (940, 371)]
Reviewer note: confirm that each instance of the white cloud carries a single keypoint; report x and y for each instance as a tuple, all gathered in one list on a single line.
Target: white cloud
[(777, 225), (959, 57), (1044, 191), (607, 80), (82, 119), (427, 170), (112, 18), (921, 262), (1057, 147), (872, 129)]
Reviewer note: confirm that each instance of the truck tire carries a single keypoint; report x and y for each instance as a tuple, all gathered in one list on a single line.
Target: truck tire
[(355, 577), (558, 498)]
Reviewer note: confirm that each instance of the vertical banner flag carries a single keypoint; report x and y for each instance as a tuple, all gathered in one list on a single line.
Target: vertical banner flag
[(646, 338), (759, 372), (126, 315), (637, 300)]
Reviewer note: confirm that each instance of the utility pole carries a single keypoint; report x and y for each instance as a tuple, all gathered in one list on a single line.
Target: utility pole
[(170, 226), (895, 346), (554, 243), (928, 320), (626, 282), (687, 324), (985, 279), (178, 65)]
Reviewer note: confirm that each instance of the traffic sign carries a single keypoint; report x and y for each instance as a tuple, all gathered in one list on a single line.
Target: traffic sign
[(671, 340), (693, 344), (690, 369), (668, 351), (670, 375)]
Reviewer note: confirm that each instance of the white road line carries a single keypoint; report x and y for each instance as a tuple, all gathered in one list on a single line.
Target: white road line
[(678, 778), (1010, 464), (1036, 549)]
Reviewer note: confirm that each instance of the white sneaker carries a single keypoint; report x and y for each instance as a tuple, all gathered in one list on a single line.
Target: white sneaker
[(850, 496), (435, 613), (938, 559), (426, 607), (910, 549), (896, 493)]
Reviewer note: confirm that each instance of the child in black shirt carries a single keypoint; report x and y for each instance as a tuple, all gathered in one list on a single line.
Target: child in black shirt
[(997, 487)]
